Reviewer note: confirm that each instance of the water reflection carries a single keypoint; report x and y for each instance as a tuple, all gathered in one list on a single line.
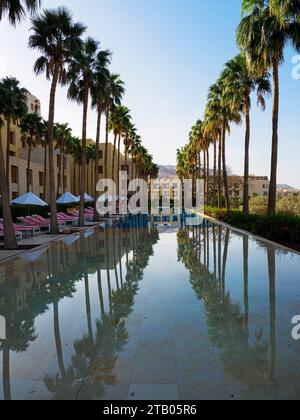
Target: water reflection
[(248, 355), (118, 257)]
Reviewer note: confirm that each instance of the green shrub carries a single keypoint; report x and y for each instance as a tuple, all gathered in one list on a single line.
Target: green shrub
[(258, 205), (289, 204), (281, 228)]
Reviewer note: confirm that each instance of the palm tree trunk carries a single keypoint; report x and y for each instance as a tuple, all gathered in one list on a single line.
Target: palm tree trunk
[(53, 208), (246, 167), (106, 142), (118, 164), (63, 168), (8, 122), (207, 179), (215, 175), (45, 171), (96, 215), (84, 157), (99, 281), (219, 174), (114, 158), (272, 294), (28, 165), (88, 307), (204, 176), (246, 278), (6, 373), (225, 177), (10, 241), (58, 343), (274, 162)]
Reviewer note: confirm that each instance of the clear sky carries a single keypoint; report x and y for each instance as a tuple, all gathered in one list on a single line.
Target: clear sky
[(168, 52)]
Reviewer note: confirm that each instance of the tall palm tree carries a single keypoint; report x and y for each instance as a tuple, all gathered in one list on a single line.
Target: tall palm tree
[(62, 133), (81, 73), (44, 142), (16, 10), (267, 52), (15, 99), (32, 130), (57, 38), (99, 93), (119, 122), (240, 83), (10, 241), (114, 93)]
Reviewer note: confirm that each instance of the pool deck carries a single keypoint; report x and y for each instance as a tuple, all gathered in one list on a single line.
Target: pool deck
[(34, 241)]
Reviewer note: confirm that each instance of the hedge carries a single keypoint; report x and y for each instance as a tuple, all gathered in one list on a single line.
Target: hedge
[(279, 228)]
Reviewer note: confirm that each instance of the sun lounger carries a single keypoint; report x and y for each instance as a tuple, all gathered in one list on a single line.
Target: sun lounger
[(18, 233), (23, 229), (32, 221)]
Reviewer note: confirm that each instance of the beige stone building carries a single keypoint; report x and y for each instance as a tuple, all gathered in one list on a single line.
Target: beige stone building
[(258, 185), (18, 151)]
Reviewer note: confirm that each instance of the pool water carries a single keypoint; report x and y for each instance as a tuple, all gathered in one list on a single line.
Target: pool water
[(135, 313)]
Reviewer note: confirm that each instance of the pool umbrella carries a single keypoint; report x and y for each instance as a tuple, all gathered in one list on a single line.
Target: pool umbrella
[(67, 198), (87, 198), (29, 199)]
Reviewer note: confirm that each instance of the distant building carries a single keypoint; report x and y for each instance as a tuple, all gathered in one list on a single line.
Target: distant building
[(258, 185)]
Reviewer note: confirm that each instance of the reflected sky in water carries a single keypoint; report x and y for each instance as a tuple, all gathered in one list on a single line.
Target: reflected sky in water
[(133, 313)]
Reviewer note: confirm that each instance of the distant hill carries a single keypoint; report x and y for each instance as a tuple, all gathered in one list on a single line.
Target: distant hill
[(167, 170), (286, 187)]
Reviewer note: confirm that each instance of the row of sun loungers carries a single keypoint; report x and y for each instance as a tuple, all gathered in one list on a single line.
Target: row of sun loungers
[(33, 225)]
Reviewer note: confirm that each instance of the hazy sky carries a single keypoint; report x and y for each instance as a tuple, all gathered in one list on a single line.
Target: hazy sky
[(168, 52)]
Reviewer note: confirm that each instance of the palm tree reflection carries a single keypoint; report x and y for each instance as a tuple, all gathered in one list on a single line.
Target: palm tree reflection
[(228, 324)]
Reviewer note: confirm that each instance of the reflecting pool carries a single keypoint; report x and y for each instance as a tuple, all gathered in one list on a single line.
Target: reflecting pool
[(137, 313)]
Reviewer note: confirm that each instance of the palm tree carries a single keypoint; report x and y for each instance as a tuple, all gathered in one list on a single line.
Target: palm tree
[(240, 83), (119, 122), (10, 241), (15, 100), (31, 129), (267, 52), (81, 73), (16, 10), (44, 142), (114, 93), (98, 92), (62, 133), (57, 38)]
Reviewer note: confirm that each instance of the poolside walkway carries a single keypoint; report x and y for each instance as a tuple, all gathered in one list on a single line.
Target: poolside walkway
[(34, 241)]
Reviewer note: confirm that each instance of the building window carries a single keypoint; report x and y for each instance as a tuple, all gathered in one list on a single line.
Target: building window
[(14, 174), (30, 177), (12, 138), (14, 195), (100, 154), (65, 162), (42, 196), (12, 154), (100, 170), (58, 161), (41, 179)]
